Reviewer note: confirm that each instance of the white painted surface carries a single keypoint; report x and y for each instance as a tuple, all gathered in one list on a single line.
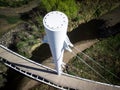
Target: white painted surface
[(56, 24), (55, 21)]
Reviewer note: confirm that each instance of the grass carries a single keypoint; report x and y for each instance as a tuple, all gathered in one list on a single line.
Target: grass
[(13, 3), (8, 22), (26, 40), (3, 68), (10, 19), (89, 9), (107, 53), (69, 7)]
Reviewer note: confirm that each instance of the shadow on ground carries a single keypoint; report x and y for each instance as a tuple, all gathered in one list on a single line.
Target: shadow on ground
[(13, 80), (41, 53), (86, 31)]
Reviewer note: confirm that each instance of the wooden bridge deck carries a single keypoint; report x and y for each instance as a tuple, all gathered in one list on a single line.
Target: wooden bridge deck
[(63, 80)]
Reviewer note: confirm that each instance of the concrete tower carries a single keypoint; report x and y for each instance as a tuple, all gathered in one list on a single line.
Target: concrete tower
[(56, 24)]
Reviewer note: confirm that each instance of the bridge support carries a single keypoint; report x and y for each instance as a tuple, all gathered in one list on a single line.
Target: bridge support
[(56, 24)]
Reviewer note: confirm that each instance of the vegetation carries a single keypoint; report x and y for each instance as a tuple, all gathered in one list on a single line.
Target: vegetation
[(69, 7), (25, 39), (10, 19), (3, 69), (78, 11), (89, 9), (2, 81), (106, 53), (13, 3)]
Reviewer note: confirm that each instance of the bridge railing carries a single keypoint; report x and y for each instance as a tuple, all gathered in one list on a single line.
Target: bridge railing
[(27, 58), (38, 78), (33, 76)]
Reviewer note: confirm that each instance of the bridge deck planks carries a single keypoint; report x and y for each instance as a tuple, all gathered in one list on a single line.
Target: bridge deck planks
[(62, 80)]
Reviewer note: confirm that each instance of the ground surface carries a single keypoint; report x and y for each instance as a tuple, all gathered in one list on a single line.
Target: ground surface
[(14, 12)]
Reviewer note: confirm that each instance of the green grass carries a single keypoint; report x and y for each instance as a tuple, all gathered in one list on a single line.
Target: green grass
[(10, 19), (69, 7), (106, 53), (89, 9), (27, 39), (13, 3)]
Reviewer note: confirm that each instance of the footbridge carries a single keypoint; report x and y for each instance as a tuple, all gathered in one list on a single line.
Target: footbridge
[(48, 75)]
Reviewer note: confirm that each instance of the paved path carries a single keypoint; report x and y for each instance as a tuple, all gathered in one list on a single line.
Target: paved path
[(62, 80)]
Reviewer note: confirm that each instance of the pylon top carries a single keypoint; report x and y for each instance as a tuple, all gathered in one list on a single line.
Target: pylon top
[(55, 20)]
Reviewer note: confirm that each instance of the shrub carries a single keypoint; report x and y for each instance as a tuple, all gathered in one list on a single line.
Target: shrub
[(69, 7), (3, 79), (10, 19), (13, 3)]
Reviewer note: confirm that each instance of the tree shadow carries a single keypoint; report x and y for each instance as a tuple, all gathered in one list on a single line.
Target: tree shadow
[(41, 53), (12, 80), (86, 31)]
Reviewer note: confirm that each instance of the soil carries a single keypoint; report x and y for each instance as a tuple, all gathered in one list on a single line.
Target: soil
[(27, 84)]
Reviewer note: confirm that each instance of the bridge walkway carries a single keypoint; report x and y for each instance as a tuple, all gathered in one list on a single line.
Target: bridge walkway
[(48, 75)]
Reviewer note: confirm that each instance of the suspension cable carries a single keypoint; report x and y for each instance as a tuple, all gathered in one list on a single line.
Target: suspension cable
[(90, 58), (91, 68)]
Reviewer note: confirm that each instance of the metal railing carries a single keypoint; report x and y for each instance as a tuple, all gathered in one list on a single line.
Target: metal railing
[(41, 79)]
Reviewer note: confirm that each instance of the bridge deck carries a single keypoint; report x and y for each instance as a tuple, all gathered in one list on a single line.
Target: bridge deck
[(50, 75)]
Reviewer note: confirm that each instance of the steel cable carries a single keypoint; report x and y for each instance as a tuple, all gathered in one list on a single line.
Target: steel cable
[(91, 68), (97, 63)]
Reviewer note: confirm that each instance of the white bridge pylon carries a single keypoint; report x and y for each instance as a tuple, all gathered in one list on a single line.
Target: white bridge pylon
[(56, 24)]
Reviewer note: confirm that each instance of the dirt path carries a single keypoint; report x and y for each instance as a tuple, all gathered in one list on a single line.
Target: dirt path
[(7, 11), (27, 83), (11, 12), (81, 46)]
